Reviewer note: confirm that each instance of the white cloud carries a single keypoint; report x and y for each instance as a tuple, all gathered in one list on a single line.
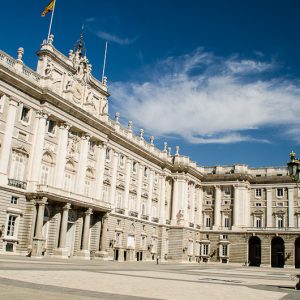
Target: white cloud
[(115, 39), (208, 99)]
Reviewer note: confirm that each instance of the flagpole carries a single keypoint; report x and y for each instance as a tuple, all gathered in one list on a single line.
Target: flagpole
[(50, 26), (104, 63)]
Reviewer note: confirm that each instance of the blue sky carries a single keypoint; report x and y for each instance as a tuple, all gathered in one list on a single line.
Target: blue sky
[(219, 78)]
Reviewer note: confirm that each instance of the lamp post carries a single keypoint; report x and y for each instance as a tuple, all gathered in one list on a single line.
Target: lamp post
[(294, 167)]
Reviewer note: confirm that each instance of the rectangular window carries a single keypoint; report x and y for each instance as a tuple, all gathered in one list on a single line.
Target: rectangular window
[(134, 167), (51, 127), (207, 222), (279, 222), (107, 154), (119, 199), (279, 192), (257, 204), (105, 193), (209, 191), (14, 200), (11, 223), (146, 172), (87, 188), (224, 250), (121, 160), (18, 167), (227, 190), (68, 182), (258, 222), (226, 222), (143, 242), (45, 174), (205, 249), (25, 114), (258, 192)]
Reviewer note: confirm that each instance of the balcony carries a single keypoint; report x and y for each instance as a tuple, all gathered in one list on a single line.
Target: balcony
[(144, 217), (133, 214), (120, 210), (155, 220), (17, 183)]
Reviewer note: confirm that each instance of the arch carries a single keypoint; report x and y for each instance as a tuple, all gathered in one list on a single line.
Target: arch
[(254, 251), (48, 157), (297, 253), (70, 166), (277, 252)]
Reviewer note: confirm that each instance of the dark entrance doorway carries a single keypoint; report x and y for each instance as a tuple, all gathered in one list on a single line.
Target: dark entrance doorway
[(254, 252), (116, 254), (297, 253), (277, 252)]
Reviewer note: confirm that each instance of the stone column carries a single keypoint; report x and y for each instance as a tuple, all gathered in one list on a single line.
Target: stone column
[(217, 211), (114, 178), (269, 222), (162, 199), (192, 202), (82, 165), (150, 192), (127, 185), (38, 241), (174, 202), (37, 149), (291, 211), (61, 155), (84, 252), (200, 206), (62, 251), (236, 210), (139, 188), (102, 254), (100, 167), (7, 139)]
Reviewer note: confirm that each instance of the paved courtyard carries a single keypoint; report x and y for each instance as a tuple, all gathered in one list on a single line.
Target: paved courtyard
[(47, 279)]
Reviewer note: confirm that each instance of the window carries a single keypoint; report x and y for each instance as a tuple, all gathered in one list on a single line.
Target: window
[(258, 222), (224, 250), (11, 223), (14, 200), (119, 199), (143, 242), (226, 222), (118, 239), (227, 190), (207, 222), (87, 188), (280, 204), (22, 136), (146, 172), (105, 193), (51, 127), (209, 191), (25, 114), (121, 160), (205, 249), (257, 204), (258, 193), (154, 211), (279, 222), (130, 241), (190, 248), (92, 145), (18, 167), (227, 202), (279, 192), (107, 154), (208, 202), (143, 209), (2, 102), (134, 167), (45, 174), (154, 245), (224, 237), (68, 182)]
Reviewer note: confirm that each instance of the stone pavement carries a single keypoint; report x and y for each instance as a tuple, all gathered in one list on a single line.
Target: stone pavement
[(49, 279)]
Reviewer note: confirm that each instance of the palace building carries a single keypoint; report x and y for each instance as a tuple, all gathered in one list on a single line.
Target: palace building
[(74, 183)]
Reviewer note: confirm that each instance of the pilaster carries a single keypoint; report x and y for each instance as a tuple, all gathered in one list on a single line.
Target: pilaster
[(127, 185), (217, 211), (100, 167)]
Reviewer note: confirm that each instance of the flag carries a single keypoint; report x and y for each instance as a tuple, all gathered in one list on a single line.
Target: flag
[(48, 8)]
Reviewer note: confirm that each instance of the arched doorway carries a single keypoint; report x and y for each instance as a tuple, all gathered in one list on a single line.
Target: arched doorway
[(277, 252), (254, 253), (297, 253)]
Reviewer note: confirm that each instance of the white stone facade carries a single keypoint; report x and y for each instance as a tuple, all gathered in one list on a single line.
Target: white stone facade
[(75, 183)]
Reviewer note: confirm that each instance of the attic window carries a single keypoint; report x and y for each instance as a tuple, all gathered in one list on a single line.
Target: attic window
[(258, 175)]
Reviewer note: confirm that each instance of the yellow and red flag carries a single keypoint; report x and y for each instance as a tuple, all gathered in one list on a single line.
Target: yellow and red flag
[(48, 8)]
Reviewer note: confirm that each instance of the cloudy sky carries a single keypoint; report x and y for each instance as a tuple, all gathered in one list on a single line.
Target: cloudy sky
[(219, 78)]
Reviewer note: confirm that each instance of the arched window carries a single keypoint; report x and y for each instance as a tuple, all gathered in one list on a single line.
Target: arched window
[(69, 176)]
